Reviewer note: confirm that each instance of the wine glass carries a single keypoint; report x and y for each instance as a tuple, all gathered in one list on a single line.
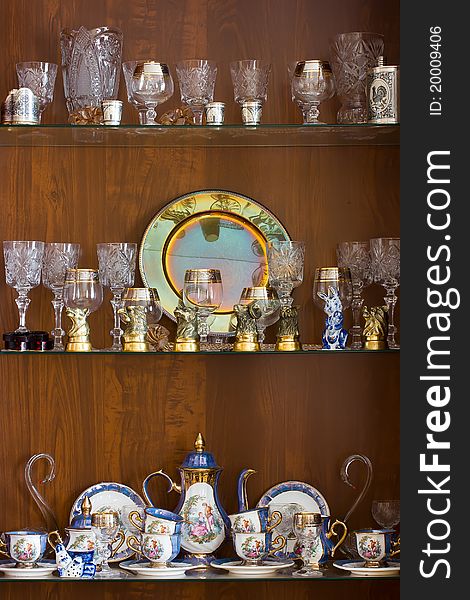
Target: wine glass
[(250, 81), (39, 77), (105, 526), (386, 513), (83, 294), (385, 257), (356, 257), (23, 265), (58, 258), (128, 69), (203, 290), (197, 82), (116, 262), (152, 85), (285, 268), (312, 82), (268, 302), (308, 545)]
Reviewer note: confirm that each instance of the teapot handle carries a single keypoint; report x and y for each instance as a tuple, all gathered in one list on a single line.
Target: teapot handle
[(173, 485), (332, 533)]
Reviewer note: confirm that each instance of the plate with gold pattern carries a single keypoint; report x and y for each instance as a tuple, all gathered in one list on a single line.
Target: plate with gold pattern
[(214, 229)]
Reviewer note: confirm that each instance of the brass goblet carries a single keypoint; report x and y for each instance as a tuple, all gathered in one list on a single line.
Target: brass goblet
[(140, 311), (268, 302)]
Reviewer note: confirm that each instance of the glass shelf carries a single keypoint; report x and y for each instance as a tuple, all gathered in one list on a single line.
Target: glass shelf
[(200, 353), (198, 136)]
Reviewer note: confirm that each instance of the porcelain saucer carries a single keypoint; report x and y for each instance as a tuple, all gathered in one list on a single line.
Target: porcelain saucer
[(236, 567), (43, 569), (142, 569), (357, 567)]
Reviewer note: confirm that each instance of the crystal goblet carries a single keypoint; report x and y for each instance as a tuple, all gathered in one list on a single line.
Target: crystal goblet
[(196, 79), (332, 292), (83, 294), (152, 85), (268, 302), (312, 82), (58, 258), (203, 290), (386, 513), (116, 262), (385, 258), (128, 69), (105, 525), (308, 546), (23, 265), (285, 268), (356, 257), (39, 77), (250, 82)]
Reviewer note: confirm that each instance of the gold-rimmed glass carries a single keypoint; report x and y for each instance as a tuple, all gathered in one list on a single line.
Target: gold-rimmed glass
[(152, 85), (268, 302), (308, 546), (312, 83), (203, 290), (105, 526), (83, 294)]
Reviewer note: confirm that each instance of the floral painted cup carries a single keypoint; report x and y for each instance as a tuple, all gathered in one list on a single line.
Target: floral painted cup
[(26, 548), (157, 520), (159, 550), (78, 542), (257, 520), (253, 548), (373, 545)]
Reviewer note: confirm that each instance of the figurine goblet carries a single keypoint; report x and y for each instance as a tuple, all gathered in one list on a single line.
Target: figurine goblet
[(285, 268), (128, 69), (250, 86), (140, 312), (152, 85), (39, 77), (23, 264), (116, 261), (105, 526), (385, 257), (196, 79), (58, 258), (356, 257), (308, 547), (268, 302), (312, 83), (83, 294), (203, 290)]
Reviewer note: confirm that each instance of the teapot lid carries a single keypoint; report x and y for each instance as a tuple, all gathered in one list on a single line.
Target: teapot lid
[(200, 458)]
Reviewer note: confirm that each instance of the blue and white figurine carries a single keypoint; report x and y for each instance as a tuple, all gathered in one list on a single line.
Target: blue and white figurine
[(334, 337), (74, 567)]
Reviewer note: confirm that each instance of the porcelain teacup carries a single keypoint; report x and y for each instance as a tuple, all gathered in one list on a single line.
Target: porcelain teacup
[(78, 542), (253, 548), (158, 549), (256, 520), (373, 545), (157, 520), (26, 547)]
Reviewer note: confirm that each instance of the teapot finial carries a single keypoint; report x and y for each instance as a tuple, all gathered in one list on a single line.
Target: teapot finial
[(85, 506), (200, 443)]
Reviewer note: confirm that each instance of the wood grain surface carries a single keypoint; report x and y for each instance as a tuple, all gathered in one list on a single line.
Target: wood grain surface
[(119, 417)]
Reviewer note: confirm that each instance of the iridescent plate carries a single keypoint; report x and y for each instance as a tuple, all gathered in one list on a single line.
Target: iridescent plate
[(209, 229)]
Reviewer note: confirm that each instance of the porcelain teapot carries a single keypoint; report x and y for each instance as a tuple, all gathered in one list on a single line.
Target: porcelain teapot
[(206, 523)]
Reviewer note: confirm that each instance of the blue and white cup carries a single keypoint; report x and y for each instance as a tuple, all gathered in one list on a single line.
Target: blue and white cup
[(156, 520), (256, 520), (25, 547), (159, 550)]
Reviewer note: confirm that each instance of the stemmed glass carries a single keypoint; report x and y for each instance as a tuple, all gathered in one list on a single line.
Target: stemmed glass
[(307, 529), (197, 82), (312, 82), (116, 262), (23, 265), (356, 257), (203, 290), (58, 258), (152, 85), (386, 513), (385, 257), (105, 526), (250, 80), (285, 268), (39, 77), (268, 303), (128, 69)]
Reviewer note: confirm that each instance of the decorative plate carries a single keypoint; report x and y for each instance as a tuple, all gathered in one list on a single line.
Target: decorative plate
[(308, 497), (142, 569), (236, 567), (111, 496), (357, 567), (208, 229), (44, 568)]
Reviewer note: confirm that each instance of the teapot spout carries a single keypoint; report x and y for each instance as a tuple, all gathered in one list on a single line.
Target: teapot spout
[(241, 489)]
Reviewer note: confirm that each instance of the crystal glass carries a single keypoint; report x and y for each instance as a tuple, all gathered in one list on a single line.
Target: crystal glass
[(352, 55), (312, 82), (267, 300), (196, 79), (250, 84), (308, 546), (91, 61), (116, 261), (385, 257), (152, 85), (203, 290), (105, 526), (58, 258), (128, 69), (356, 257), (285, 268), (83, 294), (23, 265), (39, 77), (386, 513)]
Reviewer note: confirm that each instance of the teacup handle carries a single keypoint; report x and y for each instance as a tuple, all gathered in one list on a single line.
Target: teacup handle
[(120, 536), (58, 539), (279, 539), (332, 533), (3, 545), (396, 548), (139, 522), (275, 515), (130, 541)]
